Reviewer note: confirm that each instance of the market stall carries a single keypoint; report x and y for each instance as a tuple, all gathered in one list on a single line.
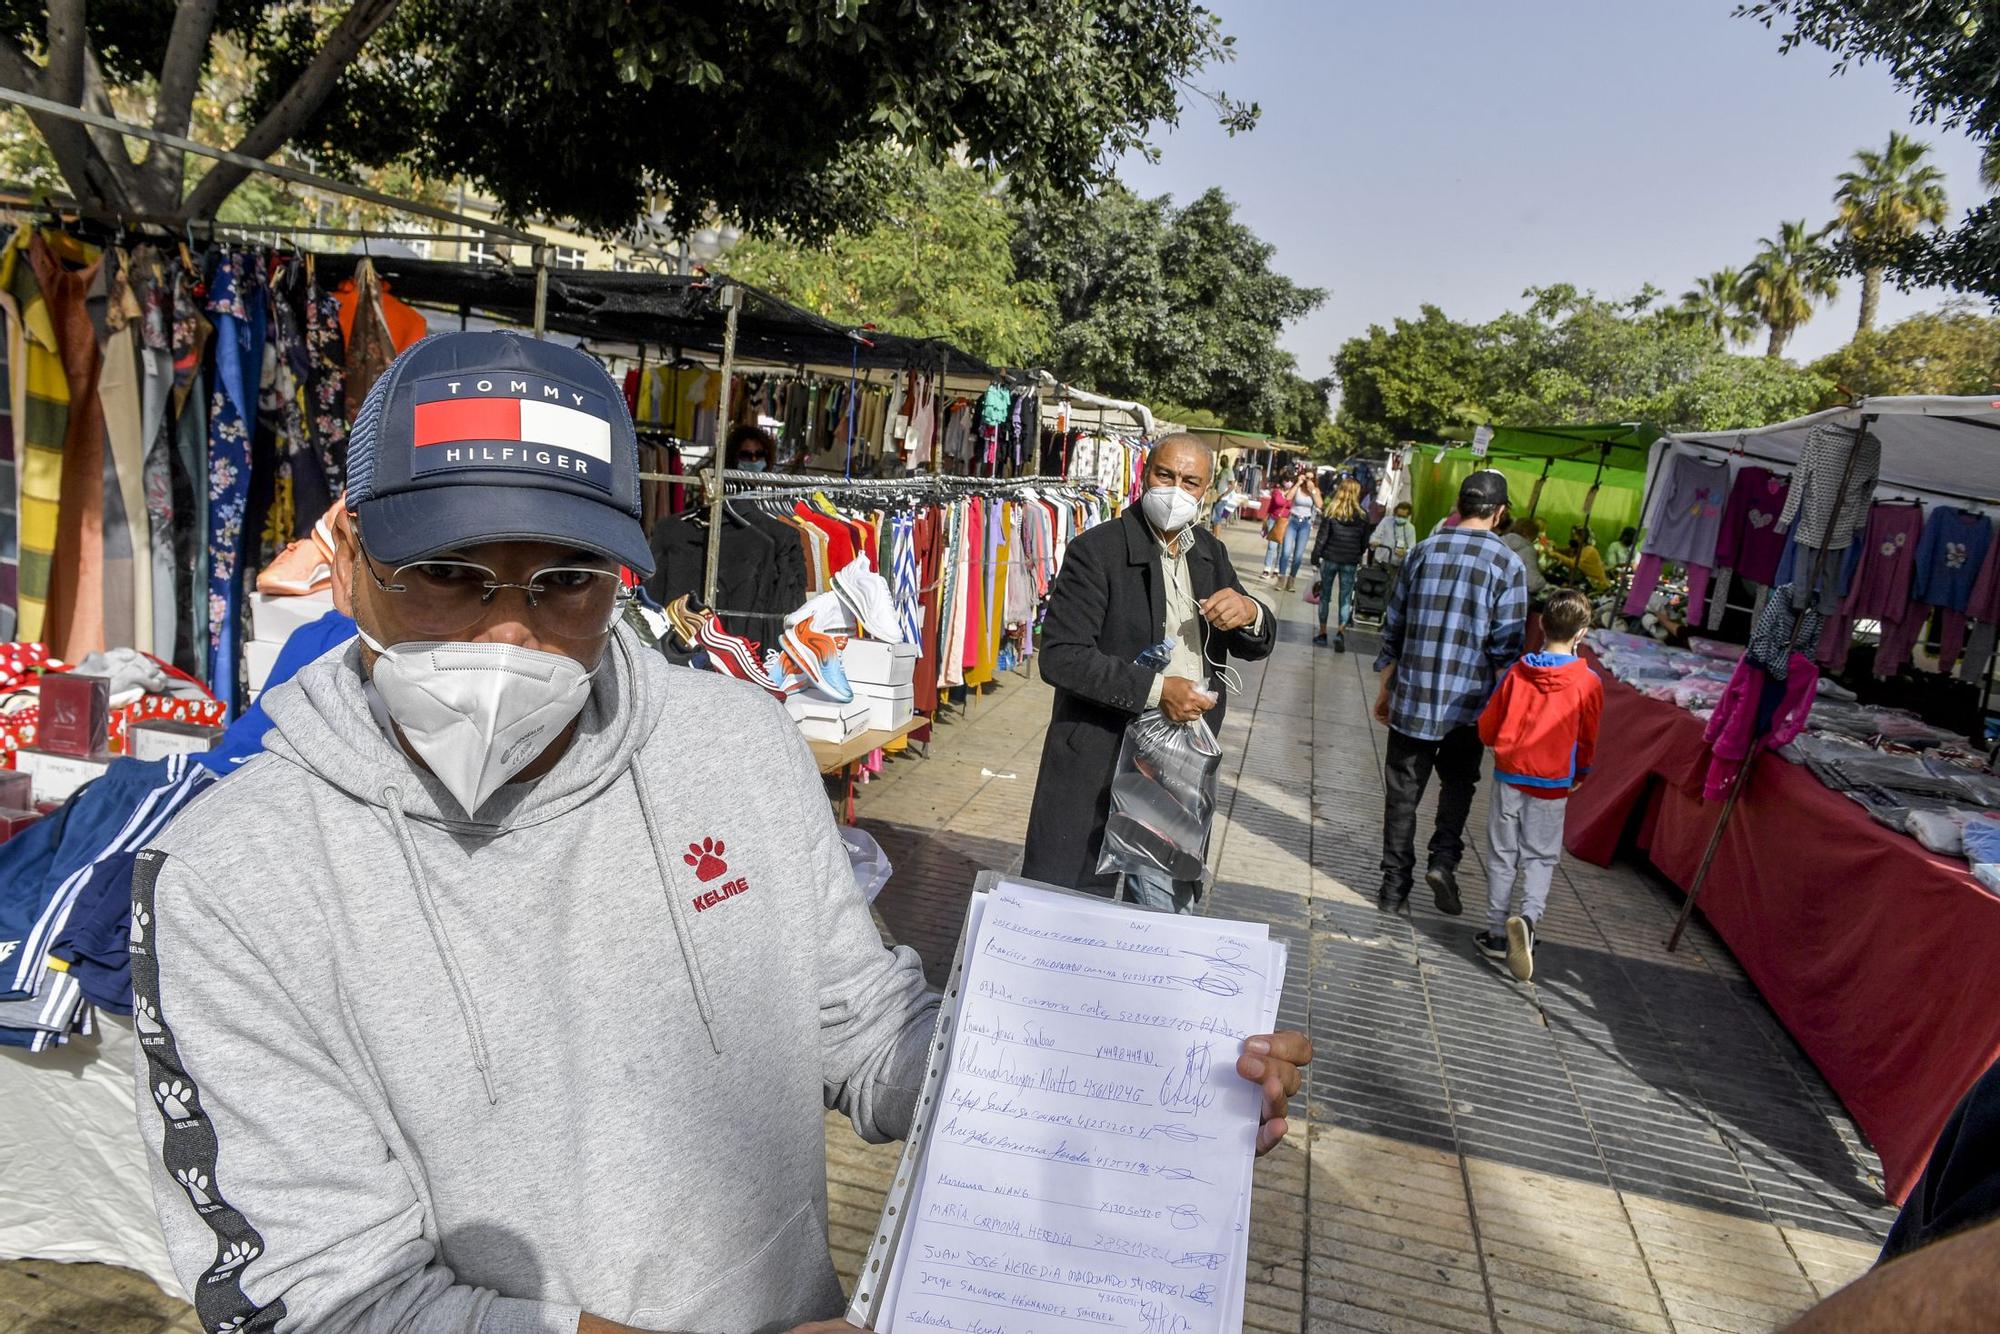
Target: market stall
[(1561, 475), (1831, 866)]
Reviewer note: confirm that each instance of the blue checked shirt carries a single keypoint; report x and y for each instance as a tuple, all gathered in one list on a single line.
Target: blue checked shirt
[(1456, 620)]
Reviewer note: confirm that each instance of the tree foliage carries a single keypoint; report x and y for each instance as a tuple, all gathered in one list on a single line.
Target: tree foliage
[(1566, 357), (801, 115), (940, 264), (1150, 301), (1946, 55), (1951, 351), (1792, 274), (1719, 305), (1893, 194)]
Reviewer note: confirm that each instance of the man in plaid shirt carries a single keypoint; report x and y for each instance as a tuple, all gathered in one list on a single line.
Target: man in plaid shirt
[(1456, 620)]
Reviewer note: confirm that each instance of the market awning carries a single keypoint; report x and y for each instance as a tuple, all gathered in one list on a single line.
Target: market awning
[(1940, 446), (661, 310), (1574, 453)]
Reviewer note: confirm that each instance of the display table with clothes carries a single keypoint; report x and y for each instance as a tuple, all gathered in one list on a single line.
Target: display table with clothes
[(1873, 952)]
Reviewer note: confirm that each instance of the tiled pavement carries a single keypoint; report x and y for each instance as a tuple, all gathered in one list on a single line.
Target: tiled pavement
[(1631, 1143)]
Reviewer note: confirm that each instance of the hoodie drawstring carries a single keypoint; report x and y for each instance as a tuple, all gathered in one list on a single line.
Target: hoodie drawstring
[(392, 799), (683, 933)]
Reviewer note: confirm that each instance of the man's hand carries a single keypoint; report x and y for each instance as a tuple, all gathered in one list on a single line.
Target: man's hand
[(1226, 609), (1181, 701), (1382, 695), (1272, 1061)]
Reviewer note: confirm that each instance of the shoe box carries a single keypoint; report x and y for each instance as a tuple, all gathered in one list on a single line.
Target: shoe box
[(823, 718), (57, 776), (272, 620), (884, 677), (872, 662)]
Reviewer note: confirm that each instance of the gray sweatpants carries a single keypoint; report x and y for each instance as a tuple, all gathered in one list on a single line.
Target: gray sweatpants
[(1523, 833)]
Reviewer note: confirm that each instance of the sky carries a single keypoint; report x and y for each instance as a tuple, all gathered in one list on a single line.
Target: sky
[(1459, 151)]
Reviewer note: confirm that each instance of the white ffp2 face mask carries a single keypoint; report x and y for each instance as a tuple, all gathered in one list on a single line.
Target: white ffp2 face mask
[(478, 713), (1169, 508)]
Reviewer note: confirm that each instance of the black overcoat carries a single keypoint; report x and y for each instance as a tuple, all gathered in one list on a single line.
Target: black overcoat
[(1109, 605)]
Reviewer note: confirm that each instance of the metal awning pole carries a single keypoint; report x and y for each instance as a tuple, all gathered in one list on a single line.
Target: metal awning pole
[(63, 111), (1742, 778), (731, 297), (541, 291)]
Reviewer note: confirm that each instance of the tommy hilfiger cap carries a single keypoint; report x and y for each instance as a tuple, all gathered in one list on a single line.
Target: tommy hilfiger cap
[(495, 437)]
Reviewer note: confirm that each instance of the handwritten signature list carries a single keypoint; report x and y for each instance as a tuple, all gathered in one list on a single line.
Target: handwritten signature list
[(1089, 1157)]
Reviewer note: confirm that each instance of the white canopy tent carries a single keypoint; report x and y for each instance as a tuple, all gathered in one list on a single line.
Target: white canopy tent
[(1933, 447)]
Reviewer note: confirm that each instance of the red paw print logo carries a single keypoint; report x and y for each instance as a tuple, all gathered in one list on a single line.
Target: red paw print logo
[(706, 858)]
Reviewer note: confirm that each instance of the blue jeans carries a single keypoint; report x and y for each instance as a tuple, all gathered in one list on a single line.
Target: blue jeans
[(1153, 889), (1298, 537), (1328, 572)]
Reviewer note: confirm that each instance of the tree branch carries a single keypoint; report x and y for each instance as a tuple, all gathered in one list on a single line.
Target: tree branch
[(297, 107), (173, 107), (89, 177)]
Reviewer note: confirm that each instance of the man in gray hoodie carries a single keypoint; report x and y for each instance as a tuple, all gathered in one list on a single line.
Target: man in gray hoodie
[(509, 985)]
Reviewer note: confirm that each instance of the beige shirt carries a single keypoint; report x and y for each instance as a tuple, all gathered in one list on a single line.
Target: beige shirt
[(1183, 623)]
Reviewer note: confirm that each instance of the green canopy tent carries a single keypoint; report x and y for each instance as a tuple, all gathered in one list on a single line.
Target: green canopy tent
[(1558, 474)]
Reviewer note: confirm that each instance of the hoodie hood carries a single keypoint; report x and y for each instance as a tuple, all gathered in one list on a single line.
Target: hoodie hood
[(322, 723), (1553, 673)]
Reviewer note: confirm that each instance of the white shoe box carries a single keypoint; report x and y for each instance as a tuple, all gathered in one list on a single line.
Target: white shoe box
[(872, 662), (889, 707), (274, 618), (57, 777), (260, 656), (822, 718)]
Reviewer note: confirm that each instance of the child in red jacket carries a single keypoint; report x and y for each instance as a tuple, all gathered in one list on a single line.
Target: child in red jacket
[(1542, 726)]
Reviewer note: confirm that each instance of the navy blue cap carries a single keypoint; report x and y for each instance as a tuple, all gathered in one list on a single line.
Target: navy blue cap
[(495, 437)]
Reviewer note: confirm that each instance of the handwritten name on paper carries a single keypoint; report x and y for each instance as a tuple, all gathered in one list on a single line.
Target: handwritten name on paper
[(1090, 1152)]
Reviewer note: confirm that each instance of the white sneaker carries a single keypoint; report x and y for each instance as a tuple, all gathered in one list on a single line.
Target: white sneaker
[(828, 614), (1521, 948), (868, 594)]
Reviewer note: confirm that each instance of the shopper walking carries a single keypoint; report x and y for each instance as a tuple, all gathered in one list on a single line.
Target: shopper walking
[(1342, 544), (448, 1003), (1154, 575), (1302, 504), (1542, 726), (1454, 623), (1277, 520)]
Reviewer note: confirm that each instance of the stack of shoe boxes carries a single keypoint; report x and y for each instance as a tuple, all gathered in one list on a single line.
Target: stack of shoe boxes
[(821, 717), (883, 677)]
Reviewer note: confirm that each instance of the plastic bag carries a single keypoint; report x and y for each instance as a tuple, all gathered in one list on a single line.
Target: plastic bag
[(1162, 798), (867, 860)]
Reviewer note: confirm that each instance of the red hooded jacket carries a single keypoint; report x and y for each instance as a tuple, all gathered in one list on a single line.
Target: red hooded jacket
[(1542, 723)]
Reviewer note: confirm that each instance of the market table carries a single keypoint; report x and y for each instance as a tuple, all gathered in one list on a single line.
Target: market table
[(840, 757), (1877, 955)]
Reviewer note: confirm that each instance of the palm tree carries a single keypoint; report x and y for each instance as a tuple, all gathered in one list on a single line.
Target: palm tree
[(1989, 166), (1720, 305), (1893, 193), (1789, 276)]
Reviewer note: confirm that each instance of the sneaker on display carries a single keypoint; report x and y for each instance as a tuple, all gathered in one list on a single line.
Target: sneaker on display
[(818, 656), (827, 613), (733, 655), (867, 593)]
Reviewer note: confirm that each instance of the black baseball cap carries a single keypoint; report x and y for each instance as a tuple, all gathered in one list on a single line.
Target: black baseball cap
[(1485, 487), (495, 436)]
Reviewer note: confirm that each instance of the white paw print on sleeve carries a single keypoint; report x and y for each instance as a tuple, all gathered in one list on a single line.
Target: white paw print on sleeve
[(231, 1325), (144, 1016), (141, 919), (195, 1182), (173, 1097), (239, 1253)]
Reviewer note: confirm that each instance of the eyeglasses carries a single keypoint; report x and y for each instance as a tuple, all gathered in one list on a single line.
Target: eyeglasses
[(443, 598)]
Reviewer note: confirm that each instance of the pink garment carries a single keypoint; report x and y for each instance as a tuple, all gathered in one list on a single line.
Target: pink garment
[(1902, 636), (1881, 590), (1751, 541), (975, 582), (1646, 574), (1984, 604), (1731, 732)]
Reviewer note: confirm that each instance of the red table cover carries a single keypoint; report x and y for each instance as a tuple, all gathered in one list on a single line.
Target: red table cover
[(1880, 958)]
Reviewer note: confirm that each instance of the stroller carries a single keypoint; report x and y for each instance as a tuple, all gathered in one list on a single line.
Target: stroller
[(1371, 593)]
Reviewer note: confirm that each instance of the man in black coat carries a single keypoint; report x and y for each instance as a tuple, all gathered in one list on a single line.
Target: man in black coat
[(1151, 576)]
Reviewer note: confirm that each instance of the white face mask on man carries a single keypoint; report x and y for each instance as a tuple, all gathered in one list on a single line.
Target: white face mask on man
[(477, 714), (1169, 508)]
